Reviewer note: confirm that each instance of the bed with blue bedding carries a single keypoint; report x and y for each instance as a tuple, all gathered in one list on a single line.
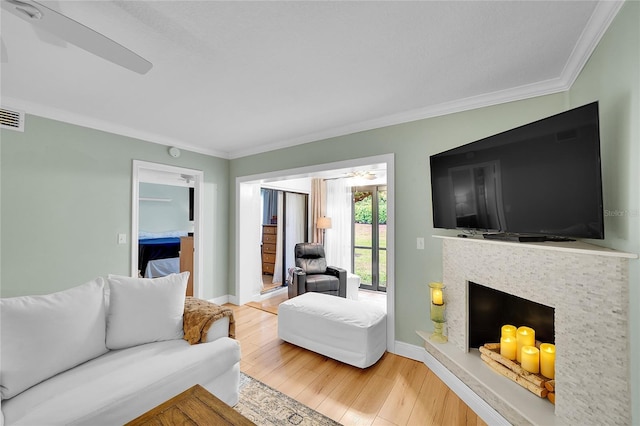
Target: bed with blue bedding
[(158, 256)]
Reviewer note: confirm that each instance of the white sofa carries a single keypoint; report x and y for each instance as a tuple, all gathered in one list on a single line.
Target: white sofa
[(104, 354)]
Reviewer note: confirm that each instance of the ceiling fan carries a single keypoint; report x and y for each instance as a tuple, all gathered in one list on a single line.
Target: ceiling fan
[(362, 174), (75, 33)]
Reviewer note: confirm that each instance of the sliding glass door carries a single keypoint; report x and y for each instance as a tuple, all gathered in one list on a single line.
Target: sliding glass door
[(370, 236), (284, 224)]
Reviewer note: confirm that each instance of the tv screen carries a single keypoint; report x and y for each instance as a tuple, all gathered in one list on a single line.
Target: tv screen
[(542, 178)]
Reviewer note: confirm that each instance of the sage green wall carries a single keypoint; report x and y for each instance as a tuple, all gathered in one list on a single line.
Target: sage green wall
[(412, 144), (66, 194), (612, 76), (162, 216)]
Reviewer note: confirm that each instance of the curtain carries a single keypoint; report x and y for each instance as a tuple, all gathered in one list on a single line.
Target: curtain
[(337, 244), (269, 205), (317, 207), (277, 268), (295, 227)]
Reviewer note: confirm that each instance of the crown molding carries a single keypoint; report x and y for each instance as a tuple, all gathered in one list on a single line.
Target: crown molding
[(603, 15), (601, 18), (82, 120), (480, 101)]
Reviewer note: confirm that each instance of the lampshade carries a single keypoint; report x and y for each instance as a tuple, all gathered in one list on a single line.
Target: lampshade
[(323, 223)]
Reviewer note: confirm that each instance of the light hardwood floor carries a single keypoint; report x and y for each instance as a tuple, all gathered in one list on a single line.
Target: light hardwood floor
[(394, 391)]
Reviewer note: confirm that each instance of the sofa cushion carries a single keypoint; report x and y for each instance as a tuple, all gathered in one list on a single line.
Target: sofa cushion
[(45, 335), (145, 310), (121, 385)]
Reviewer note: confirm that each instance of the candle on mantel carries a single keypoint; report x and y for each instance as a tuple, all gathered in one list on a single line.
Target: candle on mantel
[(548, 360), (508, 330), (530, 359), (436, 297), (508, 347), (525, 336)]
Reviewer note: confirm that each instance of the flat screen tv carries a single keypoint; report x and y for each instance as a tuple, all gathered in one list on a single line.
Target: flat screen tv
[(541, 180)]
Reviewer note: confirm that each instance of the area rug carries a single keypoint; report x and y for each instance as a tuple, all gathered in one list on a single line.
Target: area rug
[(266, 406)]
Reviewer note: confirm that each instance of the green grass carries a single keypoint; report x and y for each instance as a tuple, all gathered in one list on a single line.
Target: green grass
[(363, 237)]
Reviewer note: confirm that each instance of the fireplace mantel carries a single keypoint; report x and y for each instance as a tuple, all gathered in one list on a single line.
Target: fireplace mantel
[(578, 247), (588, 287)]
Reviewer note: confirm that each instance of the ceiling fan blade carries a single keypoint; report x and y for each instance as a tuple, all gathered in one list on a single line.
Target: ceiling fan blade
[(75, 33)]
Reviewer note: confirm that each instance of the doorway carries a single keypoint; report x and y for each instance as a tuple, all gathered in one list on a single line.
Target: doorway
[(247, 268), (166, 212)]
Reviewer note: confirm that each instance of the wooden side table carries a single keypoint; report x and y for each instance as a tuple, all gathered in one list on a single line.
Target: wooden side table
[(193, 406)]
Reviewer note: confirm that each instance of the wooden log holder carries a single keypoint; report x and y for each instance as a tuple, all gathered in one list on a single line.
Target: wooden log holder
[(534, 383)]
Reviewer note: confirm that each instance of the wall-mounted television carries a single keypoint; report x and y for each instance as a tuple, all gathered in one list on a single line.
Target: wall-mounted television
[(535, 182)]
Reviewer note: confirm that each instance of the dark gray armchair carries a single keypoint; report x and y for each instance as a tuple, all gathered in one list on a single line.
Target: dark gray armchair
[(313, 274)]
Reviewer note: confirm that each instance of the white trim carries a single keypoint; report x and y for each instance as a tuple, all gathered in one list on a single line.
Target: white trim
[(389, 161), (220, 300), (82, 120), (598, 24), (271, 294), (410, 351), (198, 214)]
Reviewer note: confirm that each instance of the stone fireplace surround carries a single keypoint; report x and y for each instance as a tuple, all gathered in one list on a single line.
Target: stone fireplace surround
[(588, 287)]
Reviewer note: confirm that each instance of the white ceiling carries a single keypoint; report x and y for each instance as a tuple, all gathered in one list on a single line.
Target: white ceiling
[(237, 78)]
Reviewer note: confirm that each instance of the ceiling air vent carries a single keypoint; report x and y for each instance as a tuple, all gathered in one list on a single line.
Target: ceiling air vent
[(11, 119)]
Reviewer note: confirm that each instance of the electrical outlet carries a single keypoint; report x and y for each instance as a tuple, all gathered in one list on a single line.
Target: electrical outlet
[(122, 238), (420, 243)]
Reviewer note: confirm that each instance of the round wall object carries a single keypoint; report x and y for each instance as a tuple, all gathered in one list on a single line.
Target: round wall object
[(174, 152)]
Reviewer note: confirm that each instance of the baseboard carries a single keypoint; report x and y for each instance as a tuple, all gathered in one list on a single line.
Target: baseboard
[(221, 300), (257, 298), (477, 404), (406, 350)]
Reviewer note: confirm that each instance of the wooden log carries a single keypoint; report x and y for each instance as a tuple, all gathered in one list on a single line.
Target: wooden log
[(501, 369), (550, 385), (516, 368), (551, 396), (492, 346)]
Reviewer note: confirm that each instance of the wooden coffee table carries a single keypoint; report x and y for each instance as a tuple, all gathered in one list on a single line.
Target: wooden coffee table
[(194, 406)]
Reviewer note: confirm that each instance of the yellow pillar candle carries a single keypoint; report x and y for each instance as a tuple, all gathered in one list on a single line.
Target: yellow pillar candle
[(530, 359), (548, 360), (436, 297), (508, 330), (525, 336), (508, 347)]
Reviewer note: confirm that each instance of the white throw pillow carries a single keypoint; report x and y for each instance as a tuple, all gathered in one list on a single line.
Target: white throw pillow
[(145, 310), (46, 335)]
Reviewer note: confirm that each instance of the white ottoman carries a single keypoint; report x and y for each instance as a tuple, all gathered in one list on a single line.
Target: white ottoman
[(343, 329)]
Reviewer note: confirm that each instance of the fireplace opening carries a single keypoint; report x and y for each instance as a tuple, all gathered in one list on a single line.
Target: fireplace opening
[(490, 309)]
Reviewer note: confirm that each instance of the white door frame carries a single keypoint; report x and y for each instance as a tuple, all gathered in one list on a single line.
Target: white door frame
[(197, 216), (248, 239)]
